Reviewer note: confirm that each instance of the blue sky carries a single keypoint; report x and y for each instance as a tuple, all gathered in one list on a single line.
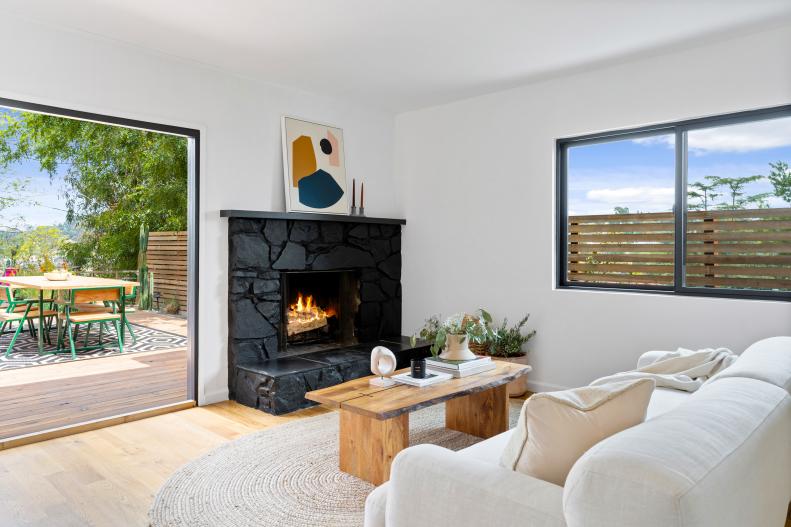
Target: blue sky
[(639, 174), (45, 204)]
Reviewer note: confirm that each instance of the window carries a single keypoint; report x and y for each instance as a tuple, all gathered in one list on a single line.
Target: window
[(695, 207)]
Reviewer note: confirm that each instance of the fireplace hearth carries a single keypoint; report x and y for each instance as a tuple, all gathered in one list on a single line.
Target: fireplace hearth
[(308, 297)]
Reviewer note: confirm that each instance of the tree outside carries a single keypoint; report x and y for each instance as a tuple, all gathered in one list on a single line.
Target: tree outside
[(701, 195), (104, 182)]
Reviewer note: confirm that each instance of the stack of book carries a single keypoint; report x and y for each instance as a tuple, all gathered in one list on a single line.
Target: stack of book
[(428, 380), (460, 368)]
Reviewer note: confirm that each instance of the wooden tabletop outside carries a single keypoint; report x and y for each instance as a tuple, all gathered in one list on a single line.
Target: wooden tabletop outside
[(75, 282), (385, 402)]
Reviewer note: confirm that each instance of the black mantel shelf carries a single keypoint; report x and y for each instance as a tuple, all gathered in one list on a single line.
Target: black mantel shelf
[(262, 214)]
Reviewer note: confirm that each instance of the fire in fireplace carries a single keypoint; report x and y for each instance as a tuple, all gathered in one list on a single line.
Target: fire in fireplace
[(320, 309), (305, 316)]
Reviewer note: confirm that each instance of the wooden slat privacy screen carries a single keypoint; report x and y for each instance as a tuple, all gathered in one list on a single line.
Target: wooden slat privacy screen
[(167, 259), (744, 249)]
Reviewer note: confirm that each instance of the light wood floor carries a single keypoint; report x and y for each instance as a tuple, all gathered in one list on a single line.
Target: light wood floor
[(58, 395), (108, 477)]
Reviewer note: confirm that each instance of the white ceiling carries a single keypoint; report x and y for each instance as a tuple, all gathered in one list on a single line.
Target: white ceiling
[(405, 54)]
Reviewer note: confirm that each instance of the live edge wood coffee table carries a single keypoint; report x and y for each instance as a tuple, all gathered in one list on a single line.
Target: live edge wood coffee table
[(374, 420)]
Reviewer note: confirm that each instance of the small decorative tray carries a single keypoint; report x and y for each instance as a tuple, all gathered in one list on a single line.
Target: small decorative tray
[(57, 276)]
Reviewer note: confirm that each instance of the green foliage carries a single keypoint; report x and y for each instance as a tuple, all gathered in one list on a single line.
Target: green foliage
[(735, 188), (10, 241), (508, 341), (621, 210), (780, 177), (435, 330), (172, 306), (39, 248), (117, 179), (144, 276), (503, 340), (704, 193)]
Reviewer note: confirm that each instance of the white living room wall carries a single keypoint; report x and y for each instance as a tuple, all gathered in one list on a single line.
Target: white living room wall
[(239, 120), (478, 183)]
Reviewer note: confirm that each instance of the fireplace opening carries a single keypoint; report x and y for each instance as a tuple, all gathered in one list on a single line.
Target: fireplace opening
[(319, 310)]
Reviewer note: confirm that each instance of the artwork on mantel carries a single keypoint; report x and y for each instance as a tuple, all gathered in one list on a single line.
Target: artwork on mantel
[(314, 167)]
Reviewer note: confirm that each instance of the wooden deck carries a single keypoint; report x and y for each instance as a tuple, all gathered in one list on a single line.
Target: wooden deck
[(52, 397)]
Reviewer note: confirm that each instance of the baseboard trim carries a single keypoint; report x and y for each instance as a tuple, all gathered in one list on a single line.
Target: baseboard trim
[(540, 386), (95, 424), (216, 396)]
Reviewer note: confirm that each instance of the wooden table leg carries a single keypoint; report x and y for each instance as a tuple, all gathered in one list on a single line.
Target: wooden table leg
[(368, 445), (482, 414)]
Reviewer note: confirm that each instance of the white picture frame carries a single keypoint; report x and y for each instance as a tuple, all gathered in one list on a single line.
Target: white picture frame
[(314, 167)]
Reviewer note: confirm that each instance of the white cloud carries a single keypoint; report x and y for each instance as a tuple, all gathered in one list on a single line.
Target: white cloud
[(633, 196), (669, 140), (739, 138)]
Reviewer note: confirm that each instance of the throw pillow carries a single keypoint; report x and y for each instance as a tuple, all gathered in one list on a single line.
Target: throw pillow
[(556, 428)]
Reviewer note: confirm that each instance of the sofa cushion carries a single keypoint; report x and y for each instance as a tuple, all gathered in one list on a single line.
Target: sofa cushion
[(489, 450), (664, 400), (375, 505), (556, 428), (720, 459), (767, 360)]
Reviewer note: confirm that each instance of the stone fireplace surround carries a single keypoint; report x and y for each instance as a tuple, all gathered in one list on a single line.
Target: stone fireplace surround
[(262, 245)]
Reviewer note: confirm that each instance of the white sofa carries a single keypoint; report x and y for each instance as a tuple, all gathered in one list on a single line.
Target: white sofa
[(718, 457)]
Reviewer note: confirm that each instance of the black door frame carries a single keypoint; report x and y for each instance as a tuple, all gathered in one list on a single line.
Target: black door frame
[(193, 206)]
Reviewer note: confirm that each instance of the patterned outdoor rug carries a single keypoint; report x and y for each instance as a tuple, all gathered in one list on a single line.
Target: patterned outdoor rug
[(25, 352), (286, 476)]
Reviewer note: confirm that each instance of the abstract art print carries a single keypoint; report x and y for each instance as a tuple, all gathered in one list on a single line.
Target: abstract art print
[(314, 167)]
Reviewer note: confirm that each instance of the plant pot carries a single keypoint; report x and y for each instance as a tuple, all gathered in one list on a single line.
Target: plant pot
[(518, 387), (456, 348)]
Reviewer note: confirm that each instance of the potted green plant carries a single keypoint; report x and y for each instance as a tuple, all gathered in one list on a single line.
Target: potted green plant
[(507, 344), (452, 336), (172, 306)]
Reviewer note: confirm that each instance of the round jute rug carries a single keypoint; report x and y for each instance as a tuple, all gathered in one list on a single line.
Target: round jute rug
[(286, 476)]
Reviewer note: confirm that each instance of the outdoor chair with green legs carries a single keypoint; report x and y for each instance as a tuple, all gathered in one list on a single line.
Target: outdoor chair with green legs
[(73, 316), (13, 303), (21, 311), (130, 297)]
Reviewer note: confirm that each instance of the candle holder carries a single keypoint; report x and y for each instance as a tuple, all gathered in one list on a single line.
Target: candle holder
[(354, 211), (361, 211)]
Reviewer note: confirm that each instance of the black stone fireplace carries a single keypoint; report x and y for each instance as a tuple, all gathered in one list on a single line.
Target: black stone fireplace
[(308, 297)]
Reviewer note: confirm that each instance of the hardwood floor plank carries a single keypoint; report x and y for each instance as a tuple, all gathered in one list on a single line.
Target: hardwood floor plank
[(108, 477)]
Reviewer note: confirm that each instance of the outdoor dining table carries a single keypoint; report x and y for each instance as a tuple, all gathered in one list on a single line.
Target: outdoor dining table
[(41, 284)]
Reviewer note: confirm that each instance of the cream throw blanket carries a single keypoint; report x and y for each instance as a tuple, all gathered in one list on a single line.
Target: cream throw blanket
[(682, 369)]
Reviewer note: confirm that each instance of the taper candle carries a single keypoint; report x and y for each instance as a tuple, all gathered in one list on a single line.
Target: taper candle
[(354, 191), (362, 194)]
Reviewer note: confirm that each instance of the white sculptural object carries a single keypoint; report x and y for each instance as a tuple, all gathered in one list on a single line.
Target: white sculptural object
[(383, 364)]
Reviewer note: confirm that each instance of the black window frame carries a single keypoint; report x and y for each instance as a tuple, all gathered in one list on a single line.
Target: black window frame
[(680, 129)]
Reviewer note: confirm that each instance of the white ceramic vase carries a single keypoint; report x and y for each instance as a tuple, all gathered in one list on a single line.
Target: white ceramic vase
[(456, 348)]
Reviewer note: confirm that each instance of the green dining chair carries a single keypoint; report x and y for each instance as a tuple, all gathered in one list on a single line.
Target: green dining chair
[(74, 316)]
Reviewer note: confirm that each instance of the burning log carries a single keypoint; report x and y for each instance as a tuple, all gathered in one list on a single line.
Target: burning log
[(305, 315)]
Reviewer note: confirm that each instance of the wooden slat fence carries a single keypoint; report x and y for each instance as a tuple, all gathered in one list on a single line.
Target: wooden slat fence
[(167, 259), (747, 249)]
